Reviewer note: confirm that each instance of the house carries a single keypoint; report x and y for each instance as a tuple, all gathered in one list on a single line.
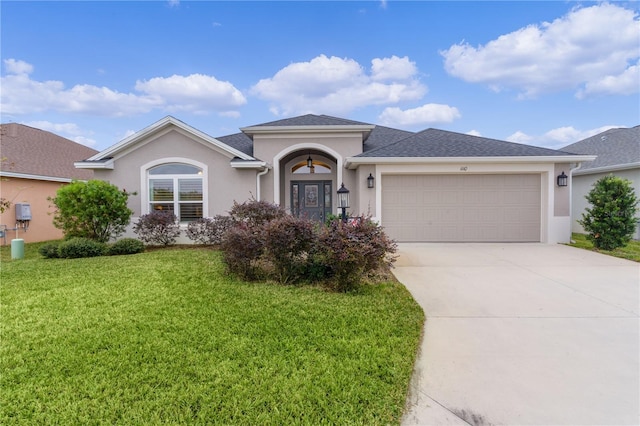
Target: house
[(432, 185), (618, 152), (35, 163)]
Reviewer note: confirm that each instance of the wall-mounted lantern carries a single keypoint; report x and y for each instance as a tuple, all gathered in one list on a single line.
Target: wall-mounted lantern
[(343, 201), (370, 181), (562, 179), (309, 162)]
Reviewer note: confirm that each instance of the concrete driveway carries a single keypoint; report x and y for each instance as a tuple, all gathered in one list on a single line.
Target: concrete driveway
[(523, 334)]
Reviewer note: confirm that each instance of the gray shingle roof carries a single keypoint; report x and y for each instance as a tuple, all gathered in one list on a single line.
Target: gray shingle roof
[(32, 151), (239, 141), (615, 147), (441, 143), (382, 136), (312, 120)]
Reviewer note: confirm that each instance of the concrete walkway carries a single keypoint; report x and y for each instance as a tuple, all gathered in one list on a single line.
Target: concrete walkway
[(523, 334)]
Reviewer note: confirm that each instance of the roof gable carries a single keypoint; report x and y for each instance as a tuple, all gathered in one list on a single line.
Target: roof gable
[(441, 143), (167, 123), (38, 153), (615, 148)]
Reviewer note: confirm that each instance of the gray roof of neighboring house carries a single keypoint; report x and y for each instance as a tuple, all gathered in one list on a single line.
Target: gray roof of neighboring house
[(614, 148), (30, 151), (442, 143)]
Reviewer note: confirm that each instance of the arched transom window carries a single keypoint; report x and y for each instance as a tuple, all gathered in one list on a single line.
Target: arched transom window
[(178, 188), (316, 167)]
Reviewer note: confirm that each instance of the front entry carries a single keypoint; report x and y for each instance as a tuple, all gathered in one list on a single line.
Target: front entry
[(311, 199)]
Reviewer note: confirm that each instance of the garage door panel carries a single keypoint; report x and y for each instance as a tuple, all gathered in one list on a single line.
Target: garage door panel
[(472, 208)]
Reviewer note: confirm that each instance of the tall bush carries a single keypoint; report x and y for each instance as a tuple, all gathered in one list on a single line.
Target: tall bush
[(349, 251), (158, 228), (95, 209), (287, 243), (611, 220)]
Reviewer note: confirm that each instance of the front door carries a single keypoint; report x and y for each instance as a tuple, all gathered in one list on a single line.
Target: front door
[(311, 199)]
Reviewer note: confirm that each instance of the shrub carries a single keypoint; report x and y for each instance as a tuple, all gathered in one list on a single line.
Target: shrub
[(80, 247), (50, 250), (209, 231), (347, 252), (288, 241), (243, 241), (126, 246), (255, 214), (611, 221), (158, 228), (241, 250), (95, 209)]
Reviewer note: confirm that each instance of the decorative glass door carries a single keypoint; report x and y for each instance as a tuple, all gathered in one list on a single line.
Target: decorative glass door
[(311, 199)]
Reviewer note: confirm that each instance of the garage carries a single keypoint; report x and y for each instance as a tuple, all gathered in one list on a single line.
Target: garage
[(462, 208)]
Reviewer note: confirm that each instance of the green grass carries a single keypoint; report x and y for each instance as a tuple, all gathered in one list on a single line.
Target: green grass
[(167, 337), (630, 252)]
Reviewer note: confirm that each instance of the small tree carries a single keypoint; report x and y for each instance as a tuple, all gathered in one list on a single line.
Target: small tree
[(95, 209), (611, 220)]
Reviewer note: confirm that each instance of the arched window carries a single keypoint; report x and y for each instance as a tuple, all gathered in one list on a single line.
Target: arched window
[(319, 167), (177, 187)]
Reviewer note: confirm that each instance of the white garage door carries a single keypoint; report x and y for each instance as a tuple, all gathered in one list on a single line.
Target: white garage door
[(461, 208)]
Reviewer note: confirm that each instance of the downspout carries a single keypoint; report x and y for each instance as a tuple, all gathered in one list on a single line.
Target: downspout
[(258, 176), (571, 170)]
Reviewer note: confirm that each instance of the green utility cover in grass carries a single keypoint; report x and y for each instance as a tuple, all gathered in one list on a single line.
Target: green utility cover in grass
[(17, 248)]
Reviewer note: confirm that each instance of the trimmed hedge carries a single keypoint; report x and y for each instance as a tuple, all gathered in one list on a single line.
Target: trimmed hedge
[(75, 248)]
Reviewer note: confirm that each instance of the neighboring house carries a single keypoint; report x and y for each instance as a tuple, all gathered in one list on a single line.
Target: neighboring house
[(35, 163), (618, 152), (428, 186)]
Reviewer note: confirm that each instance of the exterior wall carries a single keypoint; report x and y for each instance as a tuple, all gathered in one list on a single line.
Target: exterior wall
[(34, 192), (553, 228), (223, 184), (582, 184), (280, 150), (365, 197)]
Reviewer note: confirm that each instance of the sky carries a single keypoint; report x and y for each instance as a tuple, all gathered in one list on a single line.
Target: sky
[(545, 73)]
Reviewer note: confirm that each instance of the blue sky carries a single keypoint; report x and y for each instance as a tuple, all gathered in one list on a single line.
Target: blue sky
[(544, 73)]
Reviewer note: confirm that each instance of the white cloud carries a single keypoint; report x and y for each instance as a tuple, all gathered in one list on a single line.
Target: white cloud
[(590, 47), (67, 130), (13, 66), (393, 68), (558, 137), (194, 93), (474, 133), (520, 137), (567, 135), (626, 83), (338, 86), (428, 113), (173, 3)]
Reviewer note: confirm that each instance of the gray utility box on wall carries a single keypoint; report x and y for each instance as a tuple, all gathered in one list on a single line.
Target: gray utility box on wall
[(23, 211)]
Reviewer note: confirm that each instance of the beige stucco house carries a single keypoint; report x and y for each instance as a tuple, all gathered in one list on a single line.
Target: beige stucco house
[(432, 185), (618, 153), (35, 163)]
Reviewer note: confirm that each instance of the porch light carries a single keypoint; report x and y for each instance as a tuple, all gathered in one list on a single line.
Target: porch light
[(562, 179), (370, 181), (309, 162), (343, 201)]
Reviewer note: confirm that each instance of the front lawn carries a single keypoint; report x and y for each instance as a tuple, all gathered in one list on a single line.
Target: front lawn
[(630, 252), (167, 337)]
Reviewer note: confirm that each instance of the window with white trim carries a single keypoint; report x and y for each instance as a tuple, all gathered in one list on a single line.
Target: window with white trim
[(178, 188)]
